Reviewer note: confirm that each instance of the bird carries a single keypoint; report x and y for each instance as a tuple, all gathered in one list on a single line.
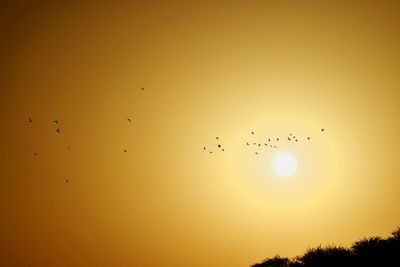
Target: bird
[(35, 154), (270, 146), (211, 152), (55, 121), (129, 119), (269, 139), (68, 147), (274, 146), (322, 129), (265, 144), (30, 120), (247, 143), (297, 140), (277, 139), (288, 138), (67, 181), (259, 144), (290, 134), (308, 138), (125, 150), (217, 137), (254, 143), (142, 88), (223, 149), (204, 148), (219, 146), (252, 132), (256, 153), (58, 130)]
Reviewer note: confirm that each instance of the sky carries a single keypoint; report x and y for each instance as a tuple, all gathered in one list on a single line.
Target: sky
[(210, 69)]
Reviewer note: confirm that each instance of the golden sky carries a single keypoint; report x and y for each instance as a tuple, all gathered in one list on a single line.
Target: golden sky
[(217, 68)]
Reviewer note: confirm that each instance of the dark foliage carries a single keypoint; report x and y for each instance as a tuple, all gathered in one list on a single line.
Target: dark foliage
[(373, 251)]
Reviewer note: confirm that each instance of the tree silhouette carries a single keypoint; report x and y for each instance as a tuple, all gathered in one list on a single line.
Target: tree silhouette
[(372, 251)]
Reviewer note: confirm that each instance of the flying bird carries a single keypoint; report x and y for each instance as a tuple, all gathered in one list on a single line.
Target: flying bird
[(322, 129), (67, 181), (125, 150), (256, 153), (269, 140), (247, 143), (142, 88), (259, 144), (223, 149), (217, 138), (68, 147), (210, 152), (288, 138), (297, 140), (274, 146), (204, 148), (35, 154), (30, 120), (219, 146), (55, 121), (129, 119), (252, 132), (308, 138), (58, 130), (254, 143), (277, 139)]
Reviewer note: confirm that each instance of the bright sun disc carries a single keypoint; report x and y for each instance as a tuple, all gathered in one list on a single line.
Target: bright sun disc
[(284, 164)]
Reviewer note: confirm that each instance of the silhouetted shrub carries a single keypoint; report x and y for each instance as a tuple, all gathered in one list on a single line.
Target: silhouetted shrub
[(372, 251)]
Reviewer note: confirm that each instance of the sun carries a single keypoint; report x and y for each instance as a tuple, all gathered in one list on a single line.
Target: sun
[(284, 164)]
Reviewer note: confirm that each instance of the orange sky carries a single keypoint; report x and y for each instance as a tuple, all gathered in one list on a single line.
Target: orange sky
[(209, 69)]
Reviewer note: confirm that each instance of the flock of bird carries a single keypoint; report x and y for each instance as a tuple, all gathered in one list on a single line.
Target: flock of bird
[(269, 142), (58, 131)]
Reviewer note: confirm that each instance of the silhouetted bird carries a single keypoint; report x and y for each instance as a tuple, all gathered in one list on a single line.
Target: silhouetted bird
[(270, 145), (322, 129), (30, 120), (204, 148), (67, 181), (210, 152), (142, 88), (288, 138), (277, 139), (265, 144), (256, 153), (297, 140), (55, 121), (252, 132), (269, 140), (223, 149), (247, 143), (217, 138), (274, 146), (308, 138), (259, 144), (68, 147), (58, 130), (35, 154), (254, 143), (129, 120), (219, 146), (290, 134), (125, 150)]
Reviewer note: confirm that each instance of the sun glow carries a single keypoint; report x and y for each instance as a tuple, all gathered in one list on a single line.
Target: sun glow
[(284, 164)]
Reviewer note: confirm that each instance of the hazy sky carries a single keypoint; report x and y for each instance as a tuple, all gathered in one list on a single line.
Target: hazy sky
[(209, 69)]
